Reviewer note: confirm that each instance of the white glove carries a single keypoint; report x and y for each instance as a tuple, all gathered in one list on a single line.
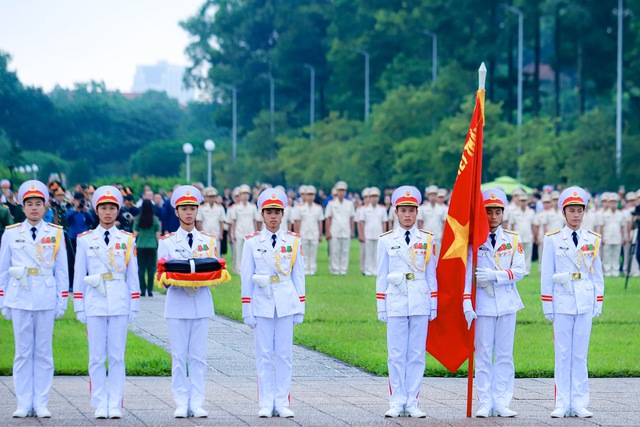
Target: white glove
[(298, 318), (60, 312), (382, 316), (550, 316), (81, 316), (132, 316), (6, 313), (597, 311), (485, 274), (250, 321), (433, 315), (470, 316)]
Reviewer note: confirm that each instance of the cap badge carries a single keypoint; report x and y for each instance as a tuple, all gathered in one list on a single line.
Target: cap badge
[(408, 193), (575, 194), (273, 196), (493, 196), (33, 187), (187, 193), (107, 193)]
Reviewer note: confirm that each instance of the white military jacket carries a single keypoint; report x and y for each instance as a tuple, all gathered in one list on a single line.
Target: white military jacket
[(273, 281), (309, 216), (105, 281), (179, 303), (406, 284), (507, 259), (583, 290), (34, 273)]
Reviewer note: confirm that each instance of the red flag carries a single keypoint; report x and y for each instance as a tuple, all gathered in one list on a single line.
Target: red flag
[(448, 339)]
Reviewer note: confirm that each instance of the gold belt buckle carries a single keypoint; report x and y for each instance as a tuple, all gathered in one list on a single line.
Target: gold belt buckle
[(410, 276), (33, 271), (274, 279), (107, 276), (576, 276)]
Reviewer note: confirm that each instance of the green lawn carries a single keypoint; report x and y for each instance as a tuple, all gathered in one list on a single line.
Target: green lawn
[(341, 321)]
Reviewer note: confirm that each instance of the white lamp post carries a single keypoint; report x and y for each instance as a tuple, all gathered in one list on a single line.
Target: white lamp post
[(21, 169), (209, 145), (434, 54), (188, 149), (312, 96)]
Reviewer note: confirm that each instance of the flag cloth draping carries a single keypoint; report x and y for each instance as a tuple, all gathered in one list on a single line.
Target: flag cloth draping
[(449, 340)]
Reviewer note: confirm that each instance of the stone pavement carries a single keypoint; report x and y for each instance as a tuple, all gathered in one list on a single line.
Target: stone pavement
[(325, 392)]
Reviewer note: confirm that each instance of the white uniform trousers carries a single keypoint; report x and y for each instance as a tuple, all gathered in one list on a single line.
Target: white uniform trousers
[(528, 253), (611, 260), (571, 343), (188, 347), (310, 255), (406, 342), (33, 362), (628, 258), (107, 339), (363, 256), (494, 370), (371, 253), (274, 341), (339, 255), (236, 248)]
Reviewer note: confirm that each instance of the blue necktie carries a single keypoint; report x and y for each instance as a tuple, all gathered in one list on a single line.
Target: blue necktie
[(190, 236), (273, 241), (33, 232), (407, 237), (106, 237)]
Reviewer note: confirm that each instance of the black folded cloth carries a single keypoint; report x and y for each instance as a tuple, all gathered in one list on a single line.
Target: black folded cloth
[(201, 264)]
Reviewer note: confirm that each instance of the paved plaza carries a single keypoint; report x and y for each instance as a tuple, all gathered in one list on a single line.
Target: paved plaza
[(325, 391)]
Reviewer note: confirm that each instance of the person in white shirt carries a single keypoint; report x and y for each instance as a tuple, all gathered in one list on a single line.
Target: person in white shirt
[(308, 217), (614, 235), (211, 215), (521, 221), (339, 216), (245, 220), (432, 216), (373, 217)]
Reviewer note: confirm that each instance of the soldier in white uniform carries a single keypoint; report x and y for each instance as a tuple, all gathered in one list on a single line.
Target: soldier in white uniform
[(339, 216), (632, 232), (308, 217), (432, 216), (188, 310), (106, 297), (373, 217), (34, 287), (572, 288), (500, 265), (359, 225), (521, 221), (407, 299), (273, 302), (614, 235), (211, 215), (245, 219)]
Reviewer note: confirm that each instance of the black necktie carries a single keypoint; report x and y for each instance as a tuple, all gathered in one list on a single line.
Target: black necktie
[(407, 236), (190, 237), (575, 238), (106, 237), (492, 236), (273, 241), (33, 232)]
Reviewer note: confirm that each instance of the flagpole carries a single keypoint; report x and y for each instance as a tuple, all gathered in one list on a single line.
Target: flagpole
[(482, 74)]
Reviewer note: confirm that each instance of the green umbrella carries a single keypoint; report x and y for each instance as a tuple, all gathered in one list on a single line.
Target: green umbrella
[(507, 184)]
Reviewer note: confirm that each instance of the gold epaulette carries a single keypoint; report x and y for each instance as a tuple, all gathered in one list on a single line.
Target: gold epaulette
[(84, 233), (551, 233), (594, 233), (12, 225), (511, 232), (385, 233), (248, 236), (293, 234), (207, 234), (425, 231), (166, 235), (128, 233), (54, 225)]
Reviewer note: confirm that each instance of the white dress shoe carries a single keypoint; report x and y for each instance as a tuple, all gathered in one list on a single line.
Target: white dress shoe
[(559, 413), (393, 412), (115, 413), (483, 412), (414, 412), (43, 412), (504, 412), (199, 413), (101, 413), (582, 413), (265, 412), (21, 413), (181, 412), (284, 412)]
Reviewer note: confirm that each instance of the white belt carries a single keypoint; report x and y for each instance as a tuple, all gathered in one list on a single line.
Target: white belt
[(32, 271), (112, 276)]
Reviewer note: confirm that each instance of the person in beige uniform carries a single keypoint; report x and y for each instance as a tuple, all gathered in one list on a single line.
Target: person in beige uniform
[(614, 235), (211, 215), (521, 221), (245, 220), (373, 217), (308, 217), (432, 216), (339, 215)]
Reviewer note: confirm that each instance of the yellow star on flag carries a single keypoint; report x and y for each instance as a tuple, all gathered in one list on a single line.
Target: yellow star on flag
[(460, 246)]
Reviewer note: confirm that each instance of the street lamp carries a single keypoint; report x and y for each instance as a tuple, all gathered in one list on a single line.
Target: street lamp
[(621, 14), (366, 82), (520, 36), (34, 168), (188, 149), (312, 96), (21, 169), (209, 145), (434, 54)]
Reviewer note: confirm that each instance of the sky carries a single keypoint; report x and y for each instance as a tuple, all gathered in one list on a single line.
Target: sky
[(71, 41)]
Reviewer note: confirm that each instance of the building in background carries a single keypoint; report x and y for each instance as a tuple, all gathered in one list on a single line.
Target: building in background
[(163, 77)]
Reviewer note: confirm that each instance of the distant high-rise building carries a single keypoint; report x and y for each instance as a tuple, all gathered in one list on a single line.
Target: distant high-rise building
[(163, 77)]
